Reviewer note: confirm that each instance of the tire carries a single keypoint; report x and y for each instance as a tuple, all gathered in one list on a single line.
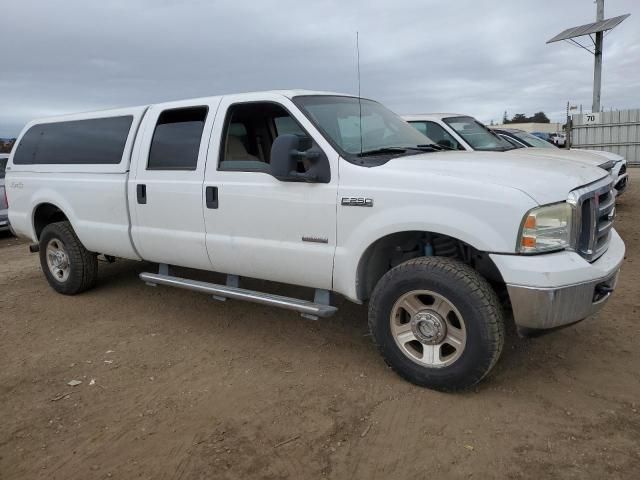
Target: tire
[(68, 266), (456, 324)]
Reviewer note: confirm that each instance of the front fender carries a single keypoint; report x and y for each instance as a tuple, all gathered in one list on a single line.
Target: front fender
[(489, 223)]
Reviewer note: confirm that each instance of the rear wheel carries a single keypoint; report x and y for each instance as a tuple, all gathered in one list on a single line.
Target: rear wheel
[(437, 323), (68, 266)]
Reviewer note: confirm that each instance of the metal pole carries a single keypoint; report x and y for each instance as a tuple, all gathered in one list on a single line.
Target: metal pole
[(567, 127), (597, 67)]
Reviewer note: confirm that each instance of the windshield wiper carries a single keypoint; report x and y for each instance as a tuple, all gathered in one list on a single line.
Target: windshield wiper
[(430, 147), (383, 150)]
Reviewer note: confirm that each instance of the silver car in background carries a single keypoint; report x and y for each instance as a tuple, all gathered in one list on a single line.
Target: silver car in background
[(4, 207)]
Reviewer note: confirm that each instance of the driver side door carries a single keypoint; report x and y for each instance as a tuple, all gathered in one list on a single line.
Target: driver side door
[(256, 225)]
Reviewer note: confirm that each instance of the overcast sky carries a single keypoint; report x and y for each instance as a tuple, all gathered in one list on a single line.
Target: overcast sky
[(465, 56)]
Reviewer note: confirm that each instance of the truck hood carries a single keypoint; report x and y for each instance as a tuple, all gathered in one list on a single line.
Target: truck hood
[(585, 156), (545, 179)]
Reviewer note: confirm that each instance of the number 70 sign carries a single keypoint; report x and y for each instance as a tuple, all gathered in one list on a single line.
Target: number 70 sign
[(591, 118)]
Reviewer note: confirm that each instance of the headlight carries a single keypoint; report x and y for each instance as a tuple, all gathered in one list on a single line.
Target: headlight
[(546, 228)]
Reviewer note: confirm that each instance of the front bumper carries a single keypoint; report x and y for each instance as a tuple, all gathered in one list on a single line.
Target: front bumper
[(555, 290)]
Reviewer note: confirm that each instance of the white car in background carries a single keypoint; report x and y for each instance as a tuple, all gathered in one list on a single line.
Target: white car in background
[(559, 139), (522, 139), (463, 132), (618, 170)]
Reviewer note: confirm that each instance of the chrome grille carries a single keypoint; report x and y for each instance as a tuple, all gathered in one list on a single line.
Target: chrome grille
[(595, 210)]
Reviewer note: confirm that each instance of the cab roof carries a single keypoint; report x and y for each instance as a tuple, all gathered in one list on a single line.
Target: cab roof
[(291, 93)]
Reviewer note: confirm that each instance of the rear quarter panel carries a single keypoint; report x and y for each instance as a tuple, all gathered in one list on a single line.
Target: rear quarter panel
[(94, 203)]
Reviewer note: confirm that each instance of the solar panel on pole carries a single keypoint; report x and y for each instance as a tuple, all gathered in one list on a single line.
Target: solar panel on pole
[(598, 28)]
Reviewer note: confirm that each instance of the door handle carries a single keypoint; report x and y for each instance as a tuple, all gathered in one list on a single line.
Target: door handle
[(211, 197), (141, 190)]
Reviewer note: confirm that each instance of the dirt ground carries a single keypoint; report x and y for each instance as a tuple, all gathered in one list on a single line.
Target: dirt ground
[(176, 385)]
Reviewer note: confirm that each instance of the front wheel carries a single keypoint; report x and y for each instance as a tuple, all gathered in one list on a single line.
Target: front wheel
[(437, 323), (68, 266)]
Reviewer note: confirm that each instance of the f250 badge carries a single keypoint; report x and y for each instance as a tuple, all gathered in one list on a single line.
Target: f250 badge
[(357, 202)]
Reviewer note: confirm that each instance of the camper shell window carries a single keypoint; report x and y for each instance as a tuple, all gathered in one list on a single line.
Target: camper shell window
[(76, 142)]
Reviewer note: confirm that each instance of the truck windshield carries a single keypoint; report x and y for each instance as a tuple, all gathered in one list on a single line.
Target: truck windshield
[(377, 131), (477, 135), (532, 140)]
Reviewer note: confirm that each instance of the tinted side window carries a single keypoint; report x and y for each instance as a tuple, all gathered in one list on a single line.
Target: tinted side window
[(437, 134), (420, 126), (91, 141), (250, 129), (441, 136), (512, 141), (287, 125), (176, 139)]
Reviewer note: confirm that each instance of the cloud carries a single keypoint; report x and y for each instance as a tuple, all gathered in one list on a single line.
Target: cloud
[(465, 56)]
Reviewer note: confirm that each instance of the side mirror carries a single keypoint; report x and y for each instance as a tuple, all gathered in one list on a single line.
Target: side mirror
[(286, 153)]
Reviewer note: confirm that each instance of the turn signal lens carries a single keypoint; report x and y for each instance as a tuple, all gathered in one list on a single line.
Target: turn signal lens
[(530, 222), (529, 242)]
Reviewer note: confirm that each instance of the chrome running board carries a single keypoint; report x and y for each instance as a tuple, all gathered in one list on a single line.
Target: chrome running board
[(306, 308)]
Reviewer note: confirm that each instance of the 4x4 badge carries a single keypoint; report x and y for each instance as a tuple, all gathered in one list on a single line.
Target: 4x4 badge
[(357, 202)]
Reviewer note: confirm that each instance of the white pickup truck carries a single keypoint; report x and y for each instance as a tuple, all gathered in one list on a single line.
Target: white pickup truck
[(330, 192)]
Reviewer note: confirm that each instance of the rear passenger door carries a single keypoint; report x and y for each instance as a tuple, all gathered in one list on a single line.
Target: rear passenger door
[(165, 193)]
